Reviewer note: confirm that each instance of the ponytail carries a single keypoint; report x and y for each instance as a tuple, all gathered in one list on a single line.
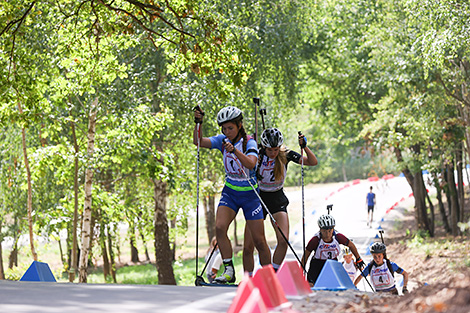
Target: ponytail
[(242, 133), (261, 155), (280, 165)]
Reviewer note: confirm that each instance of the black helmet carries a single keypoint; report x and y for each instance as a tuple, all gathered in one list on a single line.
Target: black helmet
[(326, 222), (229, 114), (378, 247), (272, 138)]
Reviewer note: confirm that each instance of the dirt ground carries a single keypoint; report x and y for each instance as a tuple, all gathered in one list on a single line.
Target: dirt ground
[(439, 280)]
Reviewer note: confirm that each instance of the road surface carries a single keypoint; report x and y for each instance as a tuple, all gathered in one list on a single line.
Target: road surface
[(349, 210)]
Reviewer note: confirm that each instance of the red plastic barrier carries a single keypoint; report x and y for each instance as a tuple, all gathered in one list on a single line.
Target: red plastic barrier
[(292, 279), (244, 290), (270, 288)]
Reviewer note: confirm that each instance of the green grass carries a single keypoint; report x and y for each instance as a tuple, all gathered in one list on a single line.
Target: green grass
[(146, 274)]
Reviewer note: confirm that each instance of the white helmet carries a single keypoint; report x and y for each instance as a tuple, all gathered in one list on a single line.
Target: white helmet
[(326, 221), (228, 114), (272, 138), (347, 251)]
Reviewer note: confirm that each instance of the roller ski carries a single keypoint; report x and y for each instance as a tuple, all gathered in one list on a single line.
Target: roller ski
[(201, 282)]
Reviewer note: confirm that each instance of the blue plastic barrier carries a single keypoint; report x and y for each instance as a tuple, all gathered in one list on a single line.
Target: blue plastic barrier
[(333, 277), (38, 271)]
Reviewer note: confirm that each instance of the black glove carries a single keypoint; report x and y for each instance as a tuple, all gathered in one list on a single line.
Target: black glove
[(360, 264), (405, 290), (225, 142), (302, 141), (198, 120)]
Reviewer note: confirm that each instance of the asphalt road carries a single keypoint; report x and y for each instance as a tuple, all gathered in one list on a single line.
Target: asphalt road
[(350, 212), (49, 297), (348, 209)]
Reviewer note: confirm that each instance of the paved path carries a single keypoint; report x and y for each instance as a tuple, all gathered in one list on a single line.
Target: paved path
[(348, 209), (41, 297)]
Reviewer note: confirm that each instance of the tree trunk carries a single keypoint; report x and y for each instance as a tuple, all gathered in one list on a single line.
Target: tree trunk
[(461, 191), (431, 211), (111, 255), (147, 256), (74, 253), (454, 199), (209, 206), (464, 109), (173, 244), (442, 209), (104, 251), (235, 237), (466, 168), (86, 227), (416, 183), (61, 252), (163, 253), (30, 189), (2, 272), (134, 251), (419, 192), (13, 258)]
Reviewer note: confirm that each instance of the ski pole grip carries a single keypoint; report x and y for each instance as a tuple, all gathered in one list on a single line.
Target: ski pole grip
[(225, 140), (198, 120), (256, 100), (304, 141)]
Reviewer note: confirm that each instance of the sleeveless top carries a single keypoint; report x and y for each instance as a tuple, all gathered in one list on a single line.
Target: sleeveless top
[(267, 182), (234, 176), (370, 198), (381, 277), (327, 250)]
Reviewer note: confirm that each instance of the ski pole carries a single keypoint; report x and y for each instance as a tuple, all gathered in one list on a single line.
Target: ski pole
[(198, 132), (381, 232), (329, 207), (362, 273), (303, 203), (262, 112), (269, 212), (200, 278), (256, 102)]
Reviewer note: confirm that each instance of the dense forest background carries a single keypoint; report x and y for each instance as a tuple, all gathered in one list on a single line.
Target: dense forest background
[(97, 96)]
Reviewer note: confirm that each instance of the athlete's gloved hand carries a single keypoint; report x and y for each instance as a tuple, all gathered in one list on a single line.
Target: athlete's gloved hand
[(360, 264), (198, 114), (405, 290), (302, 141), (228, 146)]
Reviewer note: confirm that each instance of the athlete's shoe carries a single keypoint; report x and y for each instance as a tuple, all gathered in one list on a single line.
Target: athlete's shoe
[(227, 277)]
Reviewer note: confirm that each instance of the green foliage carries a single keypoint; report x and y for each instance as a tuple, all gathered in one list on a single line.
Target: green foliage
[(359, 78), (146, 274)]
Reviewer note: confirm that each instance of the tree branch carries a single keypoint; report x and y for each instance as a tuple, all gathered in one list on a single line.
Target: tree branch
[(176, 14), (144, 6), (138, 21), (20, 20), (10, 25), (449, 92)]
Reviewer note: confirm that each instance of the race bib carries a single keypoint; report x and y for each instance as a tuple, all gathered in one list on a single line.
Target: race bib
[(382, 278)]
